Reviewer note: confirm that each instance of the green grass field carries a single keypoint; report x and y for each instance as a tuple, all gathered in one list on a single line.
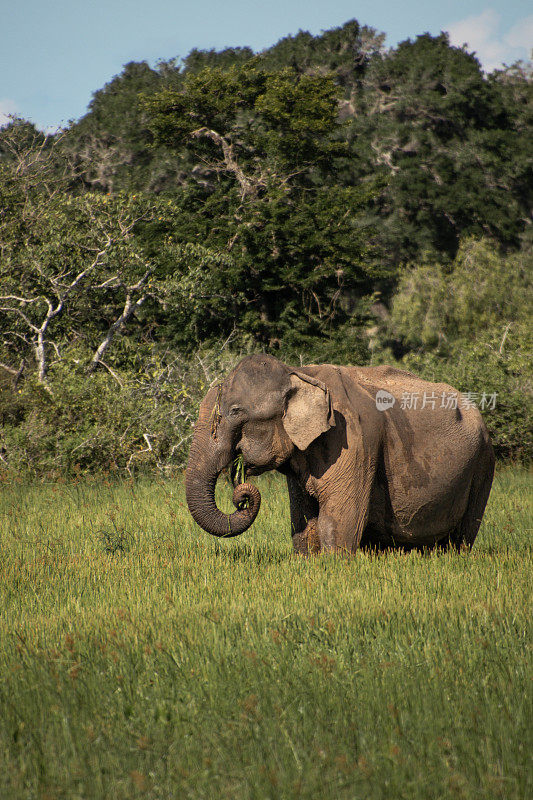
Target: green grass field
[(140, 657)]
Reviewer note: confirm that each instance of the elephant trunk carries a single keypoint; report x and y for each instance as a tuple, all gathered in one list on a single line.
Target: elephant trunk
[(200, 481)]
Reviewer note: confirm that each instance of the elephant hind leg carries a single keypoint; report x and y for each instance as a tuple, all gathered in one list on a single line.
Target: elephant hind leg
[(466, 532)]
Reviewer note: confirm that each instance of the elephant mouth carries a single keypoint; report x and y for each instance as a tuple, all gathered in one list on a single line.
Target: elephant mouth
[(237, 474), (239, 470)]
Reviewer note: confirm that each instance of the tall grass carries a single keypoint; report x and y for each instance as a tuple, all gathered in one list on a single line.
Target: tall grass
[(141, 657)]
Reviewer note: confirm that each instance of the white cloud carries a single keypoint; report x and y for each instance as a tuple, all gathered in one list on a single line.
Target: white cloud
[(521, 34), (7, 107), (482, 34)]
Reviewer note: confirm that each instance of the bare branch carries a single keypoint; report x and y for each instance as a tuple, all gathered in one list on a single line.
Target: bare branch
[(109, 282), (95, 263), (25, 300), (7, 368), (248, 185), (504, 337), (16, 373), (112, 373), (118, 324), (22, 315)]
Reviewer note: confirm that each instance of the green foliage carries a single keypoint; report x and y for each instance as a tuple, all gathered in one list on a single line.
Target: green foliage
[(447, 138), (138, 419), (62, 257), (468, 325), (346, 51), (264, 143), (198, 60), (452, 142), (109, 148), (281, 117), (160, 662), (481, 290), (270, 201), (200, 295), (21, 136), (86, 266)]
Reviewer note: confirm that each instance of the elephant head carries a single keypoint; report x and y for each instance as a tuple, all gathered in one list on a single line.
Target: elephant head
[(262, 412)]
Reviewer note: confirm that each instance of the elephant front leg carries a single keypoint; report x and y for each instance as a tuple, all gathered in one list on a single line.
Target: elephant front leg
[(341, 522), (307, 543), (304, 518)]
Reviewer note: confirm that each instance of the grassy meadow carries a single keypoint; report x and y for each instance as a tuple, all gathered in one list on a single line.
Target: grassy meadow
[(140, 657)]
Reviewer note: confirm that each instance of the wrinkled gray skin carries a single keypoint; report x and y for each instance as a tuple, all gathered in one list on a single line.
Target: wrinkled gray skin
[(356, 476)]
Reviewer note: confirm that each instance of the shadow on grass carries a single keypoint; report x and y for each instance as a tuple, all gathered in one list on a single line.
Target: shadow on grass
[(245, 553)]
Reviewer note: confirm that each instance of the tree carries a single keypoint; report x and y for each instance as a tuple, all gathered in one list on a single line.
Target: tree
[(480, 290), (60, 252), (345, 52), (450, 144), (109, 147), (84, 280), (428, 118), (265, 147), (64, 253)]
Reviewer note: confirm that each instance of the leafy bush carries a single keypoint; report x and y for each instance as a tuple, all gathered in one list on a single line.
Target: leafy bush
[(129, 421), (468, 325), (434, 305), (480, 368)]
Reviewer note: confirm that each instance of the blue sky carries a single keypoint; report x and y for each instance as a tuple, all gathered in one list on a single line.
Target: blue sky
[(54, 55)]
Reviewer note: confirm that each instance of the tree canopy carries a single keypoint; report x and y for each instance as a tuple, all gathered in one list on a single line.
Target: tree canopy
[(325, 199)]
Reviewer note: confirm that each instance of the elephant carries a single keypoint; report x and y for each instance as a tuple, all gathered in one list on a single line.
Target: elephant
[(366, 464)]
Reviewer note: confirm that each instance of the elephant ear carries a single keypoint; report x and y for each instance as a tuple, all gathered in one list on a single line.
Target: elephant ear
[(309, 411)]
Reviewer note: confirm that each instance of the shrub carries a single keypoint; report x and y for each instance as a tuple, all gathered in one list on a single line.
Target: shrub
[(129, 421), (467, 324), (488, 365), (434, 305)]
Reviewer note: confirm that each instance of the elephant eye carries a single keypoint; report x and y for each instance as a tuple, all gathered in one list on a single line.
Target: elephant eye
[(234, 410)]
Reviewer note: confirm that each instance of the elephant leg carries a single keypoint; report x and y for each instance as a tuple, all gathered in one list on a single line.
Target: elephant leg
[(466, 532), (304, 513), (307, 543), (343, 519)]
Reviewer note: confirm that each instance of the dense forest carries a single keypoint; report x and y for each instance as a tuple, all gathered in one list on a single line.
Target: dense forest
[(327, 199)]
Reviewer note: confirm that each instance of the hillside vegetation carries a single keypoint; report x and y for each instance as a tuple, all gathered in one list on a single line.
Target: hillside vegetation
[(324, 200)]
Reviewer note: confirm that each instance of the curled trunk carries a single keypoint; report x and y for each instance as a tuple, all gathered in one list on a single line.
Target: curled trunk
[(200, 481)]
